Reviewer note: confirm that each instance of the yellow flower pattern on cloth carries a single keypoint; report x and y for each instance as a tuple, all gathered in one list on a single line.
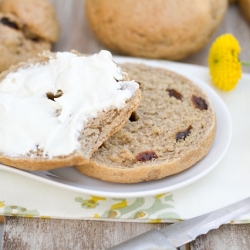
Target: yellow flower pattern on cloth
[(90, 203), (223, 61), (2, 204)]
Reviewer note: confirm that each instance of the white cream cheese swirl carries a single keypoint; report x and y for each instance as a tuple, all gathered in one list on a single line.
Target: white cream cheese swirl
[(30, 121)]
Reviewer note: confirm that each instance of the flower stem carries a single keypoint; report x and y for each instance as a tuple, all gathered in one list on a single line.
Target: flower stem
[(245, 63)]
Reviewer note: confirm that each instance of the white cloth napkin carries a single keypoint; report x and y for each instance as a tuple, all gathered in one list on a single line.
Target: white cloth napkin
[(227, 183)]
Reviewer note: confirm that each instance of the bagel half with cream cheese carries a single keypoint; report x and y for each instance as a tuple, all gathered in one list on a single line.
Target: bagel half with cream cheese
[(57, 109)]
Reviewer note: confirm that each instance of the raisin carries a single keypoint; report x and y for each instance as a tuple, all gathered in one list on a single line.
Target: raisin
[(174, 93), (183, 134), (199, 102), (134, 117), (7, 22), (146, 156), (52, 97), (35, 39)]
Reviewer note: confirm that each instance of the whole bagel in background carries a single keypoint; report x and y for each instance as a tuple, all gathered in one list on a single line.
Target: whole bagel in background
[(169, 29), (245, 8), (27, 27)]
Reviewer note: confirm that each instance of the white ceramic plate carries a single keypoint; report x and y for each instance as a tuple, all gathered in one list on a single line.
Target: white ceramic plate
[(70, 178)]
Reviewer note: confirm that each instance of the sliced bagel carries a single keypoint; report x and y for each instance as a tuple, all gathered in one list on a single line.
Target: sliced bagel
[(56, 110), (172, 129)]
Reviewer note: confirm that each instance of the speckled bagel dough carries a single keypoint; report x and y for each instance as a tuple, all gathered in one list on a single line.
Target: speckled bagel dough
[(170, 29), (167, 133), (26, 28)]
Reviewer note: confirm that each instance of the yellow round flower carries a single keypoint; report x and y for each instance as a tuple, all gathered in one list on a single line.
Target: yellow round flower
[(223, 61)]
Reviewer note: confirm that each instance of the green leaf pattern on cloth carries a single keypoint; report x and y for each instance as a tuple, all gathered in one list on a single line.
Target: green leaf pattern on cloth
[(153, 209), (14, 210)]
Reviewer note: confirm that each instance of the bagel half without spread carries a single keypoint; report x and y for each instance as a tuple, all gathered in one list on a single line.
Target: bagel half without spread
[(172, 129), (57, 109)]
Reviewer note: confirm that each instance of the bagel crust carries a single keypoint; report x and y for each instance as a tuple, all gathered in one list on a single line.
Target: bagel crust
[(172, 129), (167, 29), (27, 27)]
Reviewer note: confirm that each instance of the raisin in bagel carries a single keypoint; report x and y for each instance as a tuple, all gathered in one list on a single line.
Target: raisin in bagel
[(172, 129), (56, 110)]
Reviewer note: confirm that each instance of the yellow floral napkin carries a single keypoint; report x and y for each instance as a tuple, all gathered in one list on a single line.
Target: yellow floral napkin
[(226, 184)]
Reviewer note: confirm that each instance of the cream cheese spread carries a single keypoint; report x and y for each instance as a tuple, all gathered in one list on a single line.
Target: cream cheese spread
[(45, 106)]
